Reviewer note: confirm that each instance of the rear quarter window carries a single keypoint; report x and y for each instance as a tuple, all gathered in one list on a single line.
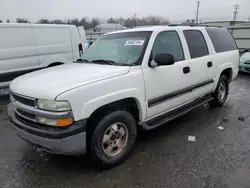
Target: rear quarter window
[(196, 43), (221, 39)]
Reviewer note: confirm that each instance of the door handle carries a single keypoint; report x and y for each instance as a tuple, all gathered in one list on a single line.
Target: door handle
[(186, 70), (209, 64)]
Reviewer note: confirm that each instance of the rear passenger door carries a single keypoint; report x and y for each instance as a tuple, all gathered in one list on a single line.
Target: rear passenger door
[(201, 64)]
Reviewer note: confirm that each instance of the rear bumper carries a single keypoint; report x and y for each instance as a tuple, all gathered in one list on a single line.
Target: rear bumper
[(66, 141)]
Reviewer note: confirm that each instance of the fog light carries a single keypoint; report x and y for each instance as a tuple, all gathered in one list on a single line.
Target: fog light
[(47, 121)]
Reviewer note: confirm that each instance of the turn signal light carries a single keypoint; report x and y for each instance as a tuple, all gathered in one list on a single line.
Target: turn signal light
[(64, 122)]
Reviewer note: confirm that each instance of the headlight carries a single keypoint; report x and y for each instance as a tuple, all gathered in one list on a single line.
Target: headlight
[(247, 62), (58, 106), (56, 123)]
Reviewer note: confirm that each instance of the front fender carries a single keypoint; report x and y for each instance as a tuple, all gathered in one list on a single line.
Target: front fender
[(92, 105), (86, 99)]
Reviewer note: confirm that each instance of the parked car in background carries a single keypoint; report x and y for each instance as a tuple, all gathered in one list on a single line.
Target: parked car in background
[(28, 47), (245, 62), (126, 80)]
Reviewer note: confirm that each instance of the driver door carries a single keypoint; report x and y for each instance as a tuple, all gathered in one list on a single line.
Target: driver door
[(167, 86)]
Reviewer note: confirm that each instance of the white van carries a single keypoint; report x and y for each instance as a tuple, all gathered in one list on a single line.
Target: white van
[(28, 47)]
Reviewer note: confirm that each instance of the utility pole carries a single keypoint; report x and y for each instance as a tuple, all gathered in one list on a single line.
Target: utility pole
[(236, 8), (249, 19), (197, 12), (135, 19)]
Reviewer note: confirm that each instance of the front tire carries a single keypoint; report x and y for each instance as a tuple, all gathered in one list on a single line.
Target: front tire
[(221, 92), (113, 139)]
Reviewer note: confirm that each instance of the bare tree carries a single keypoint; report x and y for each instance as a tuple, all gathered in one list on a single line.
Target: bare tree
[(111, 20), (22, 20), (95, 22), (74, 22), (150, 20), (43, 21), (128, 23), (85, 23), (57, 22)]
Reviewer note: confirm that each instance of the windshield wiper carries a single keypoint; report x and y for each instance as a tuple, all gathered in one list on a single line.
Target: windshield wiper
[(104, 61), (81, 61)]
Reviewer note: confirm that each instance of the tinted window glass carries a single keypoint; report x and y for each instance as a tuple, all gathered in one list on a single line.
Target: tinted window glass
[(196, 43), (222, 39), (169, 42)]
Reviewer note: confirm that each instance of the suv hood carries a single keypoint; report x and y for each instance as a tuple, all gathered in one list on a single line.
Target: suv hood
[(50, 82)]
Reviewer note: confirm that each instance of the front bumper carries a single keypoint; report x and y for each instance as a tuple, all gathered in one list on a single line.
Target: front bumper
[(65, 141), (244, 67)]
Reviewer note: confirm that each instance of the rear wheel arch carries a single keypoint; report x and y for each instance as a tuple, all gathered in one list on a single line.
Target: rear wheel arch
[(228, 72)]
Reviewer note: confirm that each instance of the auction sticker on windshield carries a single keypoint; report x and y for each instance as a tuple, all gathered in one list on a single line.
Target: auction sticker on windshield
[(134, 42)]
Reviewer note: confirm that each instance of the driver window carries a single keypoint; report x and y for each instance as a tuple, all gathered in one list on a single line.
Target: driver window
[(169, 42)]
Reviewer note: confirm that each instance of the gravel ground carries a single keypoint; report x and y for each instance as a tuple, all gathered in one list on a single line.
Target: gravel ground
[(162, 158)]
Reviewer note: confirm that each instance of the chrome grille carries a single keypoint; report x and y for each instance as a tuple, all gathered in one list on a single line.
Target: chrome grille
[(23, 114), (24, 100)]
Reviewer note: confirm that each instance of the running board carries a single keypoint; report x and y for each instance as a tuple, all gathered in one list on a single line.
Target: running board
[(169, 116)]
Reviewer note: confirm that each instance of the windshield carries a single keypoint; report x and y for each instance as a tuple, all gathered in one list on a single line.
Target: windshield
[(121, 48)]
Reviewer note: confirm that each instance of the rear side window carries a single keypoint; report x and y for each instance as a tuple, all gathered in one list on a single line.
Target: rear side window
[(196, 43), (221, 39)]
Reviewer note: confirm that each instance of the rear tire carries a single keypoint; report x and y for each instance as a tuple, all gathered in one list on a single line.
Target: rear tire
[(113, 139), (221, 92)]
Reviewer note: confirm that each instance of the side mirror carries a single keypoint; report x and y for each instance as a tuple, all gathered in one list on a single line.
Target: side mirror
[(162, 59)]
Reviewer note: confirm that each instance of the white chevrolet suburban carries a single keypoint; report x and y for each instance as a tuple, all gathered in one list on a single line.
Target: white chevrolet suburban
[(130, 79)]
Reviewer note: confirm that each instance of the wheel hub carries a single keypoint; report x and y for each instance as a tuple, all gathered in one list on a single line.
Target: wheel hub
[(222, 91), (115, 139)]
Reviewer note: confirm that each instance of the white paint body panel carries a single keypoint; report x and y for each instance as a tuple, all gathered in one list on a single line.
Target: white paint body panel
[(88, 87), (48, 83), (25, 47), (163, 80)]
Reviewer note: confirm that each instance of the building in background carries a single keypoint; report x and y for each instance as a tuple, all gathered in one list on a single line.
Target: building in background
[(225, 24)]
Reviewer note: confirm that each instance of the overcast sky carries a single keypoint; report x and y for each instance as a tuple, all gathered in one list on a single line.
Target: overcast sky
[(174, 10)]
